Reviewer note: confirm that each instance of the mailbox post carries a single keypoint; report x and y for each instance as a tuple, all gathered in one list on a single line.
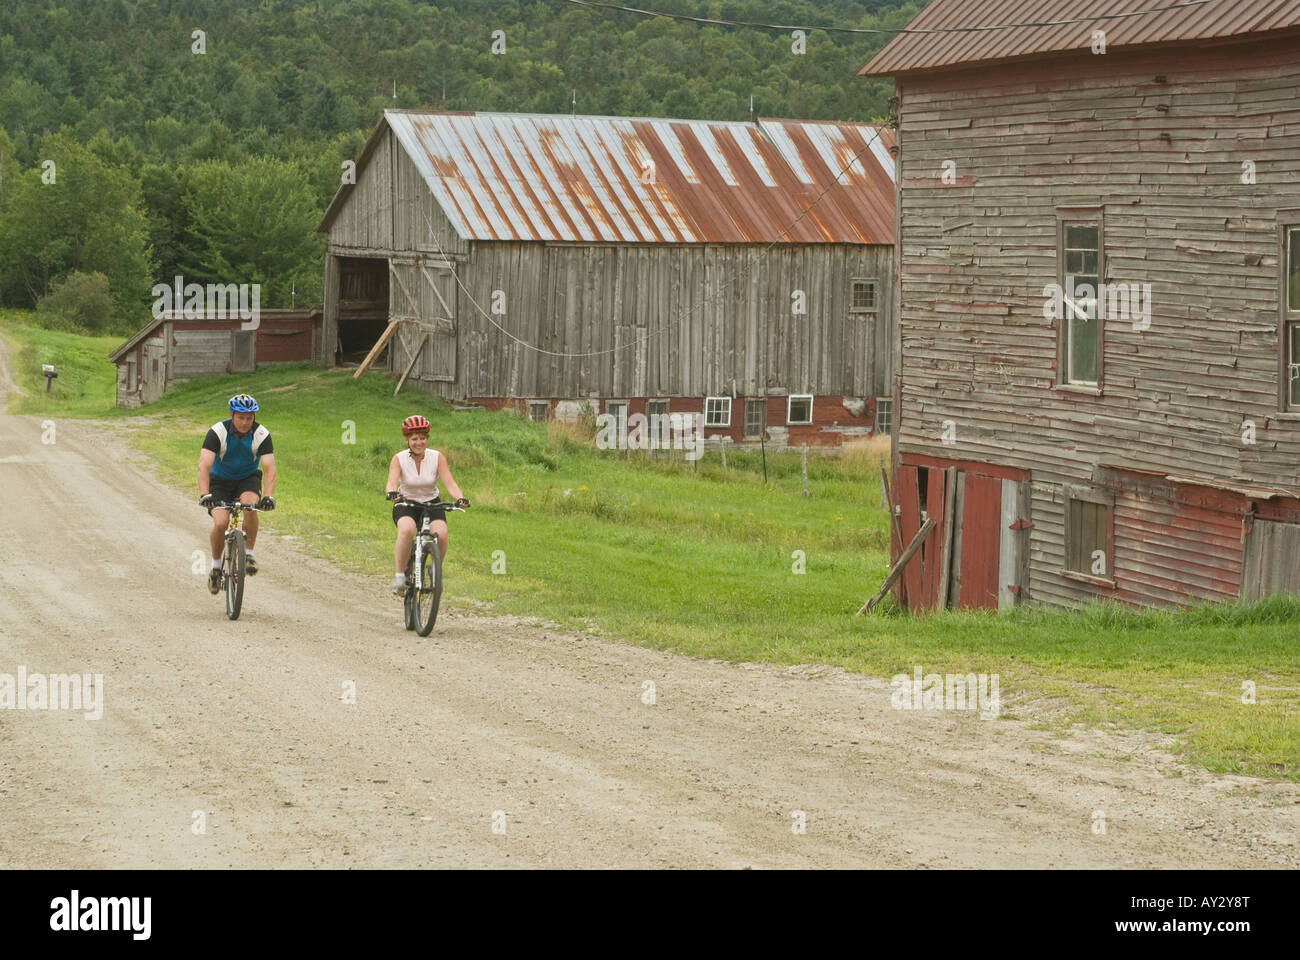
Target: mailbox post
[(50, 374)]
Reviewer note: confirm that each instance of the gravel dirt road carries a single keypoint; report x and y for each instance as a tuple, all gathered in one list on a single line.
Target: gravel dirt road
[(497, 723)]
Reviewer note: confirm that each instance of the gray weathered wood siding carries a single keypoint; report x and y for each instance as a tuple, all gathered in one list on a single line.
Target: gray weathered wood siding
[(680, 320), (976, 256), (391, 208), (1157, 141)]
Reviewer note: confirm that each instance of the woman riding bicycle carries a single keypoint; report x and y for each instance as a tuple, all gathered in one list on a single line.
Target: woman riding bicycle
[(413, 474)]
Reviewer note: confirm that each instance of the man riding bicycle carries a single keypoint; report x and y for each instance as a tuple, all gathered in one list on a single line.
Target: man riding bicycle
[(413, 474), (236, 452)]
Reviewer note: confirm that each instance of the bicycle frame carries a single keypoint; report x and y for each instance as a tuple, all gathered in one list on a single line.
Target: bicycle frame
[(423, 537)]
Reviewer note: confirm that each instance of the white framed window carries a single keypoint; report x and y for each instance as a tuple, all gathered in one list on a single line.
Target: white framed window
[(884, 415), (539, 410), (798, 409), (863, 299), (656, 408), (1081, 259), (717, 411), (755, 415), (1291, 316)]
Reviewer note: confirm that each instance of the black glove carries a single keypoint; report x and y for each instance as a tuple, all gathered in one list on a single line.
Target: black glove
[(205, 500), (462, 503), (266, 503), (394, 495)]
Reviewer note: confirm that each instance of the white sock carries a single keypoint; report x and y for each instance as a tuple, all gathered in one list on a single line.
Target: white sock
[(248, 553), (216, 564)]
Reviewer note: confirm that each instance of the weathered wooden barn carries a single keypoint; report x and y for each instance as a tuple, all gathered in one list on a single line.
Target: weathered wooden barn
[(1141, 442), (174, 347), (742, 270)]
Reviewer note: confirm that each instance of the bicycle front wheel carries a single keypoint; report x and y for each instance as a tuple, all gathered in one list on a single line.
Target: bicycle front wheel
[(408, 600), (234, 563), (430, 593)]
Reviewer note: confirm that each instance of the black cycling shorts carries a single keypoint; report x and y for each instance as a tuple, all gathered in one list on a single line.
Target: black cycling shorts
[(229, 490), (436, 508)]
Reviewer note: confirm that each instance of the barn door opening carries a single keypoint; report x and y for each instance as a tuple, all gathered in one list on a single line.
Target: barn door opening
[(362, 307)]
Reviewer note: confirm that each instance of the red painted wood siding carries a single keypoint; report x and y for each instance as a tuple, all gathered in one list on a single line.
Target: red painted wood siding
[(1172, 552), (980, 542)]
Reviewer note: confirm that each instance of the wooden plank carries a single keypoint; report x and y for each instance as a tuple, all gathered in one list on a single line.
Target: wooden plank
[(954, 586), (946, 534), (909, 517), (379, 345), (934, 508), (896, 550), (415, 356), (982, 509), (926, 529)]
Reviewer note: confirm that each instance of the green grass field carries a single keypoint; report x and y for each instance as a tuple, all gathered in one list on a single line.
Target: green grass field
[(701, 561)]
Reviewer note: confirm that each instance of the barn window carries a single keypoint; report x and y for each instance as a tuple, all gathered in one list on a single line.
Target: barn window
[(884, 415), (717, 411), (1291, 319), (754, 417), (799, 409), (1081, 268), (1088, 536), (538, 410), (864, 296), (618, 410), (655, 408)]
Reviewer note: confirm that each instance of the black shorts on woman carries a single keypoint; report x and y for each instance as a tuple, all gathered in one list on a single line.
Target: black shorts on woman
[(436, 509)]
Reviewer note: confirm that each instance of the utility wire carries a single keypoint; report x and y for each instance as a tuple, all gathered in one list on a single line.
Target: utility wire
[(888, 30)]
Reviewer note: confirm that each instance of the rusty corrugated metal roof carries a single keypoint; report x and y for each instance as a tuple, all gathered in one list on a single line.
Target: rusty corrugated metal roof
[(505, 176), (1217, 19)]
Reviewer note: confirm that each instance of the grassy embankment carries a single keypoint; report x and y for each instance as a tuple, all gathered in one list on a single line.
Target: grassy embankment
[(699, 561)]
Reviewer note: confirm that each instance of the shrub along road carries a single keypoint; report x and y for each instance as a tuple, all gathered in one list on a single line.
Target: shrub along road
[(496, 722)]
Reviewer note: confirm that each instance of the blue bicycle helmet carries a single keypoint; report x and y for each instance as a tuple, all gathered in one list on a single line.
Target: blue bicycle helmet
[(243, 403)]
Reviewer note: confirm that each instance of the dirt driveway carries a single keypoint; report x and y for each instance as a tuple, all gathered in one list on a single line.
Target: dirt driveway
[(495, 742)]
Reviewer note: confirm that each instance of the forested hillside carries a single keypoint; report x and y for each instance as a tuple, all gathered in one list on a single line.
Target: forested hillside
[(133, 148)]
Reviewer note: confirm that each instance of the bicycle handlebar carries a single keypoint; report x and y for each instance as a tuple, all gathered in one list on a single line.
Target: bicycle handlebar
[(445, 505), (227, 505)]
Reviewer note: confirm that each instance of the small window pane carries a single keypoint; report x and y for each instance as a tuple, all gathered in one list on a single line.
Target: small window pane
[(1293, 365), (864, 295), (799, 410), (1082, 350), (1081, 237), (537, 410), (754, 418), (1293, 269)]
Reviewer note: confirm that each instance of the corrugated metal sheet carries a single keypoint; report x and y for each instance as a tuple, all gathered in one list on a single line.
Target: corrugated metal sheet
[(501, 176), (1217, 19)]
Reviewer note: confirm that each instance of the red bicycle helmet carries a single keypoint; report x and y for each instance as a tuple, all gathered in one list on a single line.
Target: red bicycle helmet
[(414, 423)]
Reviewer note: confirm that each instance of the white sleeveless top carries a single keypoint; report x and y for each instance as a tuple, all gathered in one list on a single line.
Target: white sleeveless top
[(419, 483)]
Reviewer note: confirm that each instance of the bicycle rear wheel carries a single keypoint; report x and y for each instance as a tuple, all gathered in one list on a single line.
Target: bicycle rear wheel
[(430, 593), (234, 562)]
